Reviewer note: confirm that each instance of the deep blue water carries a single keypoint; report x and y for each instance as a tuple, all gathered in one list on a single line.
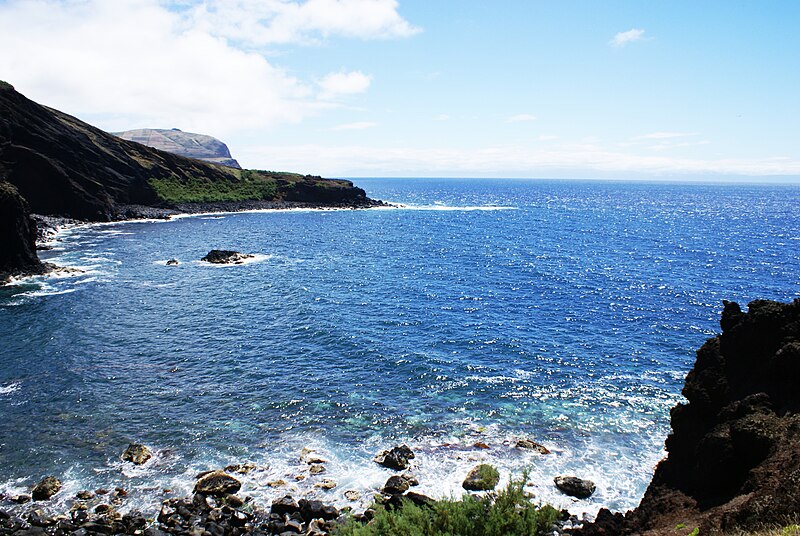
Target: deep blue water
[(483, 310)]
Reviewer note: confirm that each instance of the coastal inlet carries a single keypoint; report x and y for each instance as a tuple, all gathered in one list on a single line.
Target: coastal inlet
[(482, 312)]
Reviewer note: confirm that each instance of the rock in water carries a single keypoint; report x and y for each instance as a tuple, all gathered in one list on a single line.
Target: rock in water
[(45, 489), (200, 146), (532, 445), (395, 458), (217, 483), (483, 477), (224, 256), (137, 454), (574, 486)]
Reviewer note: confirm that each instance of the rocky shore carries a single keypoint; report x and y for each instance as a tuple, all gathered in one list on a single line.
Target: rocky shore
[(216, 509)]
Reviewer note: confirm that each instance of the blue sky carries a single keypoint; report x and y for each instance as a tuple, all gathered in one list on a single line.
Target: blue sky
[(693, 90)]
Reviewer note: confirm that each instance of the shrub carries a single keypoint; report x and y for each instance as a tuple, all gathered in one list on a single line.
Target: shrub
[(507, 513)]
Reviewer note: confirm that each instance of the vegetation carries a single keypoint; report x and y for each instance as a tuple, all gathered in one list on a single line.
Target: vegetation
[(249, 186), (506, 513)]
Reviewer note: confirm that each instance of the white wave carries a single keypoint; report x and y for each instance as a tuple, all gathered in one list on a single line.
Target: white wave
[(10, 388), (454, 208)]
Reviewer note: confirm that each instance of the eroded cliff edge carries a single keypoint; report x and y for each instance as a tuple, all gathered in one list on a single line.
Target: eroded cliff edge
[(734, 453)]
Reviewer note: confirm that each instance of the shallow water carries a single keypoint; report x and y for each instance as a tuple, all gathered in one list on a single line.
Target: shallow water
[(567, 312)]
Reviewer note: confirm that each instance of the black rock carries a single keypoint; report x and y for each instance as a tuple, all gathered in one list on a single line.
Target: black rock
[(218, 484), (45, 489), (317, 510), (137, 454), (224, 256), (395, 458), (285, 505), (574, 486)]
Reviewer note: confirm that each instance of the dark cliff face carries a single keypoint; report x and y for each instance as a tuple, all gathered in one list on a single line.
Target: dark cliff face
[(17, 234), (734, 454), (63, 166)]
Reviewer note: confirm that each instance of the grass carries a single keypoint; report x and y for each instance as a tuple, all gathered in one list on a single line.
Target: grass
[(248, 187), (506, 513)]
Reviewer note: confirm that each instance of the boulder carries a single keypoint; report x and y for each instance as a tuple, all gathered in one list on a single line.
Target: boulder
[(217, 483), (224, 256), (137, 454), (528, 444), (396, 485), (285, 506), (45, 489), (574, 486), (395, 458), (173, 262), (483, 477), (316, 510)]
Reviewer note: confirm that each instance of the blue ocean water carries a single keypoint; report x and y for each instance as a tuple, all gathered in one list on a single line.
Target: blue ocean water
[(478, 311)]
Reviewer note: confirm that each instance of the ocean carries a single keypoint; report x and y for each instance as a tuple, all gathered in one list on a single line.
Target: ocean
[(476, 311)]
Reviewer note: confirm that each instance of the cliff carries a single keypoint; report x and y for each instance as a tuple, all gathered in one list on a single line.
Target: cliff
[(17, 234), (190, 145), (734, 452), (65, 167)]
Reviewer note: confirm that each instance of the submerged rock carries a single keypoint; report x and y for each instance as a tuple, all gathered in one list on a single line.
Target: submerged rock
[(532, 445), (137, 454), (224, 256), (574, 486), (173, 262), (483, 477), (45, 489), (217, 483), (395, 458)]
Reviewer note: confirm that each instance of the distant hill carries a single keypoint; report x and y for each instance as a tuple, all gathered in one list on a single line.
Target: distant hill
[(187, 144)]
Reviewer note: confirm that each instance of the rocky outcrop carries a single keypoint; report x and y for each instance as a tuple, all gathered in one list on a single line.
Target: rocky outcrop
[(224, 256), (137, 454), (734, 451), (199, 146), (45, 489), (574, 486), (17, 235), (65, 167), (217, 483), (396, 458)]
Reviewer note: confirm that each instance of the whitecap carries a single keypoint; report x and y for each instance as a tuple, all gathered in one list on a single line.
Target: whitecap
[(10, 388)]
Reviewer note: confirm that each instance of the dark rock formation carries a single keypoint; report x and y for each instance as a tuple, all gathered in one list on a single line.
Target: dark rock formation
[(483, 477), (200, 146), (734, 452), (137, 454), (45, 489), (17, 234), (224, 256), (529, 444), (399, 484), (574, 486), (217, 483), (395, 458)]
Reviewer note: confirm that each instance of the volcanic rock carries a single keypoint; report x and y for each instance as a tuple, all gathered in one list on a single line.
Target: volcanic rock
[(574, 486), (17, 233), (137, 454), (217, 483), (223, 256), (733, 459), (45, 489), (395, 458), (532, 445)]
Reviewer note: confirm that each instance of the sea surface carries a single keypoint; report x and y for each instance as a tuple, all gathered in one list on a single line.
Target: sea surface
[(477, 311)]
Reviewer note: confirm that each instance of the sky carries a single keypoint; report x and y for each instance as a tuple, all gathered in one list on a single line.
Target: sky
[(432, 88)]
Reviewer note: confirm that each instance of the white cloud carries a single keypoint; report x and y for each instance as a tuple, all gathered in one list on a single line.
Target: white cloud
[(521, 117), (359, 125), (143, 63), (563, 160), (265, 22), (546, 137), (343, 83), (665, 135), (631, 36), (441, 117)]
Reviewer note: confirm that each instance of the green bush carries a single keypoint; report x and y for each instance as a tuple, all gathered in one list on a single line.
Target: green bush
[(507, 513), (174, 190)]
